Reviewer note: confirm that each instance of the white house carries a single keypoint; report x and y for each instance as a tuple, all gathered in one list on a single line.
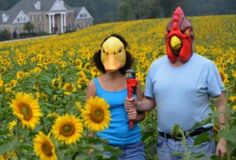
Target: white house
[(46, 16)]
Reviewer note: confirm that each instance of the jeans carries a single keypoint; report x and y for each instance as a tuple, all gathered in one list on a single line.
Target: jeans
[(133, 151), (169, 149)]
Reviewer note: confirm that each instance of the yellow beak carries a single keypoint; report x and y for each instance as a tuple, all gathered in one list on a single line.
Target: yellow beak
[(113, 54), (175, 43)]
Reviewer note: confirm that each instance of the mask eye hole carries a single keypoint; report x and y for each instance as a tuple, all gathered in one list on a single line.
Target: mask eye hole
[(120, 50), (104, 52), (187, 31)]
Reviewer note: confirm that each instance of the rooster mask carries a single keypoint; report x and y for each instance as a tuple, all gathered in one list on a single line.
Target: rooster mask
[(179, 37)]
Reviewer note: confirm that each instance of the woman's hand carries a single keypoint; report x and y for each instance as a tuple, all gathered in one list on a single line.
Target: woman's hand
[(130, 107), (132, 114)]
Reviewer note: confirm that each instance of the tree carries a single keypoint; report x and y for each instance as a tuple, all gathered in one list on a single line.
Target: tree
[(5, 35), (139, 9), (169, 6), (125, 10), (29, 27), (155, 8)]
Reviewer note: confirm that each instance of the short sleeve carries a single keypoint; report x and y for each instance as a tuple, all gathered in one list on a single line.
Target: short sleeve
[(214, 81)]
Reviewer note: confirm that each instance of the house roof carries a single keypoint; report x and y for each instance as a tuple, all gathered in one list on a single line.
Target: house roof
[(82, 9), (27, 6)]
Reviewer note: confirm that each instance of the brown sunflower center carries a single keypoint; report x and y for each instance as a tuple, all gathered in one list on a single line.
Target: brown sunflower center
[(56, 83), (78, 63), (69, 88), (97, 115), (67, 130), (26, 111), (47, 148)]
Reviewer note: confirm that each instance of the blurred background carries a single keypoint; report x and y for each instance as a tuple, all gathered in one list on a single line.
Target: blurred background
[(117, 10)]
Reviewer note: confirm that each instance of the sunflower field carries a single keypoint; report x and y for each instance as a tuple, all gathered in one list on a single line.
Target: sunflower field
[(43, 111)]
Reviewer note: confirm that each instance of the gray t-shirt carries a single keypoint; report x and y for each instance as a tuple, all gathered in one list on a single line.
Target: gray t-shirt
[(182, 93)]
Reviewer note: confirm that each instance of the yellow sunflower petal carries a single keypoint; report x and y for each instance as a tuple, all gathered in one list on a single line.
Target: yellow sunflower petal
[(67, 129), (44, 148), (27, 109), (96, 114)]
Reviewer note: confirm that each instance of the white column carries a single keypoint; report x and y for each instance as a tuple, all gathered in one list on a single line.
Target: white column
[(53, 20), (65, 20), (50, 26), (62, 23)]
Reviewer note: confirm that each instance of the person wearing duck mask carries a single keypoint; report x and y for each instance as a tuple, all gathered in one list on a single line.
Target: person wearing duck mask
[(113, 60), (180, 86)]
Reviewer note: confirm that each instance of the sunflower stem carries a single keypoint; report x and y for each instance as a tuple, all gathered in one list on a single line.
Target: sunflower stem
[(17, 140)]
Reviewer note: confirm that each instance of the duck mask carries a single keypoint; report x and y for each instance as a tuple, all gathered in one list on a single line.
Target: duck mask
[(179, 37), (113, 54)]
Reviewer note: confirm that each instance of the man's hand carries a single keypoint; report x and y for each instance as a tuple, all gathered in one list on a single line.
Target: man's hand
[(221, 148), (146, 104), (220, 102)]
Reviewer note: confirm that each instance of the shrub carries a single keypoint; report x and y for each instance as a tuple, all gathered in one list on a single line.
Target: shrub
[(5, 35)]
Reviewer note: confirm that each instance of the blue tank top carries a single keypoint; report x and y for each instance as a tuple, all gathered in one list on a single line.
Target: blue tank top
[(118, 132)]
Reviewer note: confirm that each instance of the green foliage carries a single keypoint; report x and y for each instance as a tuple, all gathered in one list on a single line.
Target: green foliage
[(139, 9), (229, 134), (28, 27), (5, 35), (149, 133)]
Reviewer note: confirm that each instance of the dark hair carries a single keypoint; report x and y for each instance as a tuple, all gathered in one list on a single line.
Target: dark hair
[(129, 59)]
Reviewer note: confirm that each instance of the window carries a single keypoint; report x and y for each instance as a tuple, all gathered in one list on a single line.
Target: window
[(4, 17), (83, 15)]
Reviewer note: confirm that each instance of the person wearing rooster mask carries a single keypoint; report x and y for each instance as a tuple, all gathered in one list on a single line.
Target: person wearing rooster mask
[(113, 60), (180, 85)]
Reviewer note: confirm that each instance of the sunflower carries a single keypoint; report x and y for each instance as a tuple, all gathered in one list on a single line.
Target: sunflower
[(27, 109), (20, 75), (79, 63), (43, 147), (234, 107), (1, 82), (57, 82), (67, 128), (234, 73), (232, 99), (36, 70), (224, 76), (69, 88), (8, 155), (96, 114), (13, 83), (7, 88), (82, 75), (11, 125)]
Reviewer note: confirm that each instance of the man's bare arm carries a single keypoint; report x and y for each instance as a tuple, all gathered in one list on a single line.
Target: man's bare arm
[(146, 104)]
